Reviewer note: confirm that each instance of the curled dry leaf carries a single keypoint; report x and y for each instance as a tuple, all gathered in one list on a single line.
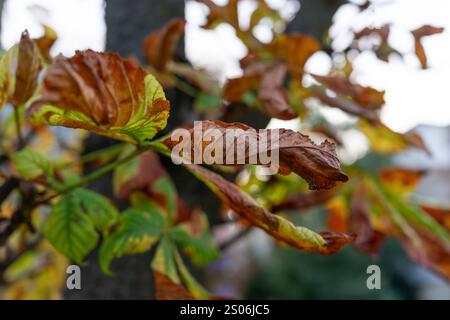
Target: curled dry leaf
[(276, 226), (317, 164), (367, 239), (382, 48), (273, 96), (236, 88), (366, 97), (102, 93), (160, 46), (19, 70), (418, 34)]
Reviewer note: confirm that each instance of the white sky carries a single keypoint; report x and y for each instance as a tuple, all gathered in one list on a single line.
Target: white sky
[(413, 95)]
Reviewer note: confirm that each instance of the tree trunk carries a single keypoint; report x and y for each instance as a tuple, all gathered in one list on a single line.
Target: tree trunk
[(314, 17)]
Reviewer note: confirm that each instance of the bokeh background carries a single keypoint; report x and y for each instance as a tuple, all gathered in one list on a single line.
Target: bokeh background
[(415, 100)]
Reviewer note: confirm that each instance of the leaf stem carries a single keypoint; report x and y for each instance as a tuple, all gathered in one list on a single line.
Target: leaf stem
[(18, 128), (94, 175)]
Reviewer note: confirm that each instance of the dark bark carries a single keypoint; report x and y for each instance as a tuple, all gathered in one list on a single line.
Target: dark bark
[(315, 17)]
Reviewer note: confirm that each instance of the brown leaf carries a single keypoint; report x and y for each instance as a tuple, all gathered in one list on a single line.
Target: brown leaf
[(403, 180), (366, 97), (28, 67), (149, 171), (346, 105), (166, 289), (160, 46), (221, 14), (367, 239), (317, 164), (104, 93), (276, 226), (440, 215), (236, 88), (273, 96), (381, 49), (304, 200), (295, 49), (418, 34), (433, 253), (46, 42)]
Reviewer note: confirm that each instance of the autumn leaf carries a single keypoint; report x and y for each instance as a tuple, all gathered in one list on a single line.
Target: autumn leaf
[(366, 97), (273, 96), (276, 226), (227, 13), (166, 289), (139, 174), (102, 93), (317, 164), (367, 239), (418, 34), (46, 42), (346, 105), (236, 88), (402, 180), (19, 70), (159, 47), (304, 200), (384, 140), (382, 48), (295, 49)]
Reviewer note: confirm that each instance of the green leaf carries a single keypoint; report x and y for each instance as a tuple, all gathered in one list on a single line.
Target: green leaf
[(194, 239), (416, 216), (165, 186), (137, 233), (70, 230), (30, 164), (193, 286), (99, 209), (163, 260)]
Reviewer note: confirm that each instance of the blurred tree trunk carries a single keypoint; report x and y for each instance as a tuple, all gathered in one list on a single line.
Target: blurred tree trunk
[(315, 17)]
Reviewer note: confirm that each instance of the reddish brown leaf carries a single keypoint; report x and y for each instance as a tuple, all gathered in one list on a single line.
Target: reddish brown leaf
[(273, 96), (440, 215), (28, 67), (276, 226), (317, 164), (367, 239), (346, 105), (236, 88), (166, 289), (149, 171), (103, 93), (337, 214), (364, 96), (304, 200), (433, 253), (221, 14), (418, 34), (160, 46)]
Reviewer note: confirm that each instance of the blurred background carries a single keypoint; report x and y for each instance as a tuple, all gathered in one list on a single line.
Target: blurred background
[(416, 100)]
